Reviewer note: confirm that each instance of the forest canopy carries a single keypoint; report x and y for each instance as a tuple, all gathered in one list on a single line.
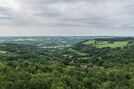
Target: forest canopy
[(91, 64)]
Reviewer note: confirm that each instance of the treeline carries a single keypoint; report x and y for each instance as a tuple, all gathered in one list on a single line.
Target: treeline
[(116, 39)]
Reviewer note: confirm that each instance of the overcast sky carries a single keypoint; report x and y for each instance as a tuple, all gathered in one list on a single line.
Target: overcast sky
[(67, 17)]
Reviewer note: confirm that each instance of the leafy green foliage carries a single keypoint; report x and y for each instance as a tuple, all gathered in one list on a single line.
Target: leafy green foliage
[(78, 67)]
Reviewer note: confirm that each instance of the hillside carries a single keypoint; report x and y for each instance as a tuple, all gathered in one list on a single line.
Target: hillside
[(103, 53), (91, 64)]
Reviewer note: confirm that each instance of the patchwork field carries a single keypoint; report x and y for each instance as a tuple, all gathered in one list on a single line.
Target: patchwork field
[(101, 44)]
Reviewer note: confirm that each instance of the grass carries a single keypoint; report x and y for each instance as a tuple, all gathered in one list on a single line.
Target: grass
[(89, 42), (77, 52), (3, 52), (102, 44)]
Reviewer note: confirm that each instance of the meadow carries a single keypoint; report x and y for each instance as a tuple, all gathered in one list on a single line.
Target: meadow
[(102, 44)]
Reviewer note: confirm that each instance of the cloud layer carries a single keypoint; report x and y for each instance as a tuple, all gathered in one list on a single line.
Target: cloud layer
[(97, 14)]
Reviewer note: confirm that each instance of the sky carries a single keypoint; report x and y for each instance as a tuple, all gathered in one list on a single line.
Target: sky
[(66, 17)]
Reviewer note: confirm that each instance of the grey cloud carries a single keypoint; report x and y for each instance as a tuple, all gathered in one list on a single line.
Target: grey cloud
[(91, 13)]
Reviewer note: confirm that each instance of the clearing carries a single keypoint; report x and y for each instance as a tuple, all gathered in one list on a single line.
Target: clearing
[(101, 44)]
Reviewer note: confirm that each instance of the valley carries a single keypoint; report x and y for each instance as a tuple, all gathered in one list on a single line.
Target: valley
[(97, 63)]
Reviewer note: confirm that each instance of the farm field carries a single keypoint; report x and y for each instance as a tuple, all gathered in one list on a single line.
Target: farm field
[(77, 52), (101, 44)]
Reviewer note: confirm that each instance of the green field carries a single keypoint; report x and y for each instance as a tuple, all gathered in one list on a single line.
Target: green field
[(77, 52), (101, 44)]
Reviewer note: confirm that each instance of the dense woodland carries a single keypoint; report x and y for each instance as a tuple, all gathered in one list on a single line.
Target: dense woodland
[(77, 67)]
